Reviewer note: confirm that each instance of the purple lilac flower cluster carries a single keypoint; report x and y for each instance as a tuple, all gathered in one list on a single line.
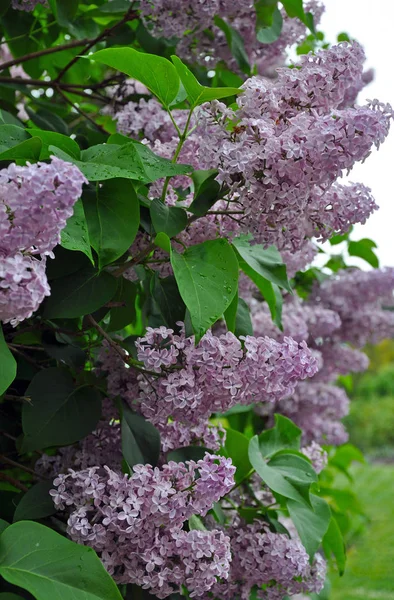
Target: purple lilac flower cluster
[(135, 523), (276, 564), (35, 203), (195, 381)]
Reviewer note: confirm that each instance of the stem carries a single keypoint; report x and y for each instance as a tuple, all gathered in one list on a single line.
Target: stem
[(32, 55), (137, 259), (182, 139), (241, 482), (23, 35), (129, 16), (15, 464)]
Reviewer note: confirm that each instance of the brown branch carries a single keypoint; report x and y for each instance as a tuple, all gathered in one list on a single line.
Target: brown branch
[(17, 484), (26, 357), (15, 464), (108, 338), (32, 55), (52, 84), (129, 16)]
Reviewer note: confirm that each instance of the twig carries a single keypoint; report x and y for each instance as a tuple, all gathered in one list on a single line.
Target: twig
[(52, 83), (32, 55), (80, 111), (24, 347), (17, 484), (108, 338), (15, 464), (129, 16), (26, 357)]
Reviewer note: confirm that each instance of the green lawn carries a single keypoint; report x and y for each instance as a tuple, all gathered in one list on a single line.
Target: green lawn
[(370, 568)]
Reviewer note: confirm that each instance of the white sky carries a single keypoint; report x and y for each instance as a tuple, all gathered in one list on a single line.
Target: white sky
[(371, 23)]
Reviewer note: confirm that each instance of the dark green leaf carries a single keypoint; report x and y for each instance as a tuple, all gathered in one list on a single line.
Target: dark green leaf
[(51, 138), (140, 439), (121, 316), (59, 413), (283, 436), (156, 72), (333, 544), (168, 219), (75, 235), (113, 216), (131, 161), (48, 121), (3, 525), (243, 321), (10, 596), (196, 93), (80, 293), (11, 136), (66, 11), (36, 503), (363, 249), (230, 314), (167, 299), (206, 191), (195, 453), (7, 365), (311, 524), (15, 143), (207, 278), (235, 43), (294, 8), (236, 448), (273, 478), (50, 566)]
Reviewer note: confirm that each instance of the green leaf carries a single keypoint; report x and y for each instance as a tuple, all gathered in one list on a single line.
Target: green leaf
[(156, 72), (230, 314), (3, 525), (311, 524), (51, 138), (333, 543), (283, 436), (196, 523), (195, 453), (66, 11), (75, 235), (267, 262), (363, 249), (10, 596), (207, 278), (168, 219), (235, 43), (121, 316), (294, 8), (7, 365), (36, 503), (59, 413), (131, 161), (269, 21), (196, 93), (296, 469), (80, 293), (113, 216), (27, 150), (48, 121), (236, 448), (140, 439), (265, 268), (273, 478), (243, 321), (206, 191), (15, 141), (166, 296), (50, 566), (163, 241)]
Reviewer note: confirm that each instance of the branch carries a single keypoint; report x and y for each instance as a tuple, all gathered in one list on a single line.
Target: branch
[(32, 55), (17, 484), (15, 464), (80, 111), (129, 16)]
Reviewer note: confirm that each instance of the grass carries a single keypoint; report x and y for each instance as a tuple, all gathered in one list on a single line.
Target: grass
[(370, 567)]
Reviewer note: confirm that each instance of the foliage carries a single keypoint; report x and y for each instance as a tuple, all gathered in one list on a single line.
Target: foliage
[(167, 364)]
